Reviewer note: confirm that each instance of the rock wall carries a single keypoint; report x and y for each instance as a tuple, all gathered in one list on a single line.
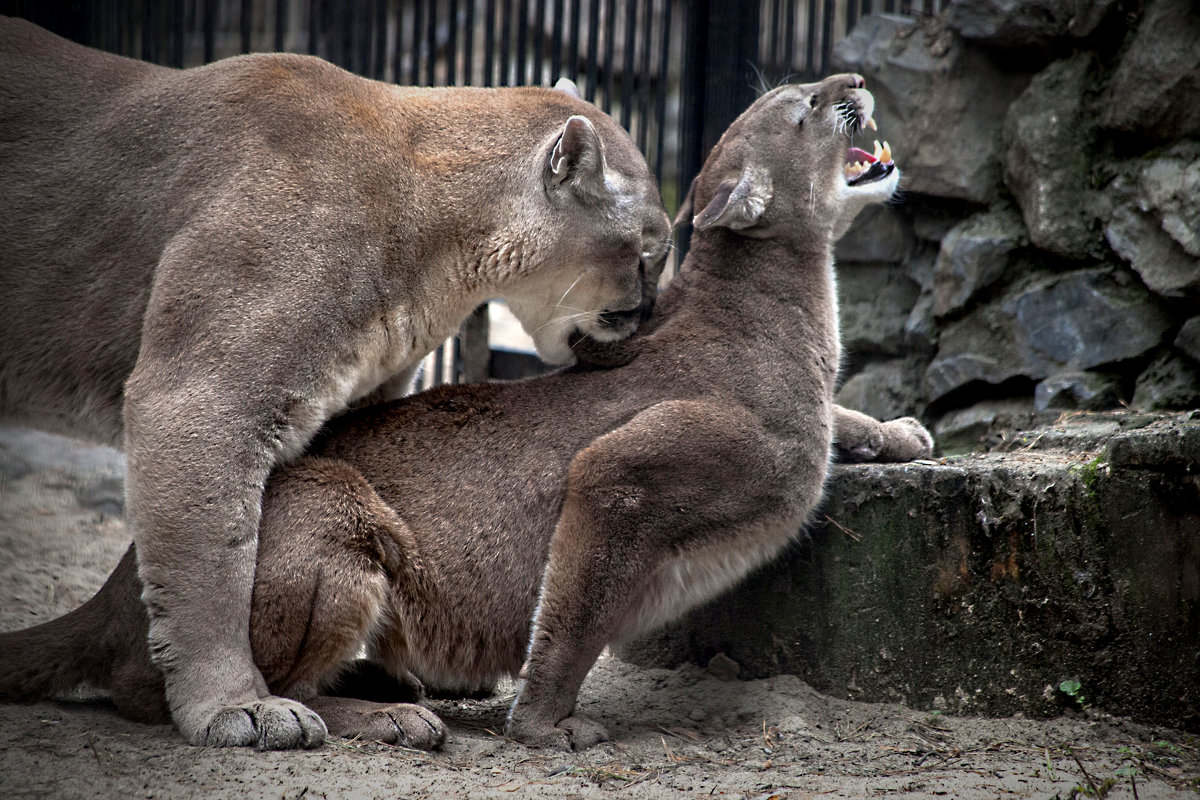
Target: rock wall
[(1046, 253)]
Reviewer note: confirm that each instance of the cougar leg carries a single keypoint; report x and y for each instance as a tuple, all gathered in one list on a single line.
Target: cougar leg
[(636, 498)]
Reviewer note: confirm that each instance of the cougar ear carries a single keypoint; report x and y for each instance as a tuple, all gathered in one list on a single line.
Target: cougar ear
[(737, 205), (567, 86), (577, 158)]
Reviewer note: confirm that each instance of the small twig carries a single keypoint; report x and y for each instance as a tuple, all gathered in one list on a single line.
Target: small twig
[(843, 528), (1091, 784)]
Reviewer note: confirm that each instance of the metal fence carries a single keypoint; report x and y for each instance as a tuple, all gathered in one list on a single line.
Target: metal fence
[(674, 73)]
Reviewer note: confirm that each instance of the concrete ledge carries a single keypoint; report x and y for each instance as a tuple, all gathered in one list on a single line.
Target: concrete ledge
[(980, 583)]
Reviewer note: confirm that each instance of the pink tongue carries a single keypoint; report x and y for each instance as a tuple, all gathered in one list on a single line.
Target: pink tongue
[(854, 154)]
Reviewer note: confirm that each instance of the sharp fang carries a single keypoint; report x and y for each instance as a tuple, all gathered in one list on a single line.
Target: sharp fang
[(887, 153), (871, 124), (878, 150)]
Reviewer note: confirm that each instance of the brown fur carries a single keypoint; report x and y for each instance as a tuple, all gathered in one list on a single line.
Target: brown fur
[(465, 532), (202, 266)]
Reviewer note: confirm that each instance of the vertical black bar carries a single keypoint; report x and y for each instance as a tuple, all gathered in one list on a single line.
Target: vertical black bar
[(210, 33), (789, 39), (431, 43), (397, 56), (489, 45), (281, 16), (469, 44), (175, 59), (414, 67), (851, 14), (147, 35), (610, 46), (505, 37), (452, 46), (573, 53), (539, 43), (660, 111), (381, 16), (775, 35), (826, 35), (593, 56), (629, 69), (244, 26), (522, 55), (810, 46), (556, 42), (314, 21), (644, 82)]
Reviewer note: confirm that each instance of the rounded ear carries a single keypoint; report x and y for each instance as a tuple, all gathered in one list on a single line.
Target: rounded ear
[(567, 86), (577, 159), (737, 204)]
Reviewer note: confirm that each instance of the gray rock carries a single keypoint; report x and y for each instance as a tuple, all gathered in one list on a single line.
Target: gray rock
[(874, 304), (967, 430), (1020, 23), (885, 390), (1169, 186), (1078, 321), (1170, 382), (879, 234), (1082, 391), (973, 256), (1048, 158), (1188, 340), (940, 104), (1153, 91), (723, 668), (1161, 262), (920, 330)]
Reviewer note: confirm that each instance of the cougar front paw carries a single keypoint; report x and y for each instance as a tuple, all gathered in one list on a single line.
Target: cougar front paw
[(905, 439), (572, 733), (269, 723), (405, 724)]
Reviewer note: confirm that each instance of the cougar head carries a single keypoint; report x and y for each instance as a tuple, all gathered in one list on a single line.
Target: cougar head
[(788, 166)]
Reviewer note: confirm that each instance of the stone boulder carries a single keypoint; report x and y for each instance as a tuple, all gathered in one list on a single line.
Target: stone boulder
[(885, 389), (1024, 23), (1078, 391), (878, 234), (874, 303), (1188, 340), (1169, 188), (973, 256), (1169, 382), (939, 103), (1078, 321), (1153, 91), (1163, 265), (1047, 162)]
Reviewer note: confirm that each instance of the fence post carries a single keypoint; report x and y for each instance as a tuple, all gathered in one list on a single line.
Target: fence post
[(721, 54)]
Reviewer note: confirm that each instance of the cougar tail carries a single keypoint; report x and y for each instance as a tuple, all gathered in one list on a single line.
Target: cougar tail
[(101, 644)]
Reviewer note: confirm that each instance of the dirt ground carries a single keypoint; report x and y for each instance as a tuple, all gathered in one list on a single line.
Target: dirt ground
[(681, 733)]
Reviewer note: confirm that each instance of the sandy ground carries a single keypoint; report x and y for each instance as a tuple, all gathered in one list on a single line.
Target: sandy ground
[(680, 733)]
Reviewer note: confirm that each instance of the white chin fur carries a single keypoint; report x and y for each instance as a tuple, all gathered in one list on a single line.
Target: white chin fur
[(856, 198), (553, 347)]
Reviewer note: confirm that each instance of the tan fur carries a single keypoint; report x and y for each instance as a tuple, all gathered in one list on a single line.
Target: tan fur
[(202, 266), (533, 523)]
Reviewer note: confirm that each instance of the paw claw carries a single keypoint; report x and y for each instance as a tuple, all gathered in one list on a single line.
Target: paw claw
[(272, 723)]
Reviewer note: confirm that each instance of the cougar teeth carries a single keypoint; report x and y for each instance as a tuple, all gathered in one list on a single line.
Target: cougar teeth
[(886, 155), (878, 151), (871, 124)]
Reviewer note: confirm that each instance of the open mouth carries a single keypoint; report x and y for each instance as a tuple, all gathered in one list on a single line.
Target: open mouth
[(863, 167)]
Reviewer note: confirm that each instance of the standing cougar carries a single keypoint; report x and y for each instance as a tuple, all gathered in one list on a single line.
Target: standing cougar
[(202, 266), (473, 532)]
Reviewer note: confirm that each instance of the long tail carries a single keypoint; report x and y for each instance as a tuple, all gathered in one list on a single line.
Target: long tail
[(101, 644)]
